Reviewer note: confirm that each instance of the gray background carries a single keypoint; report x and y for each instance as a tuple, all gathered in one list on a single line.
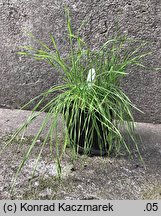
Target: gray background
[(21, 78)]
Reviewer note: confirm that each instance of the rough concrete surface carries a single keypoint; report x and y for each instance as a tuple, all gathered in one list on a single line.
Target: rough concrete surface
[(88, 178), (22, 79)]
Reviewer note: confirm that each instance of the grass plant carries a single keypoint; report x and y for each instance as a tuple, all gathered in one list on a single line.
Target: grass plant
[(90, 82)]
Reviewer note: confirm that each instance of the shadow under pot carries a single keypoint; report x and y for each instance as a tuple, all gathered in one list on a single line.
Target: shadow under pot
[(86, 132)]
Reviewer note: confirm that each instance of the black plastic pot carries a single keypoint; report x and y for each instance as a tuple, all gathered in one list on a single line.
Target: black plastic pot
[(79, 134)]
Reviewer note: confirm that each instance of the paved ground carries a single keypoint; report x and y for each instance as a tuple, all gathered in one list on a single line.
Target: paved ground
[(88, 178)]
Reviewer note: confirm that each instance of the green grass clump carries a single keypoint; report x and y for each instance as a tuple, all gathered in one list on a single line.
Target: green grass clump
[(90, 84)]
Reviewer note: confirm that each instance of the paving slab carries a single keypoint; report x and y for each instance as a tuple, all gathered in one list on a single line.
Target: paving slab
[(88, 177)]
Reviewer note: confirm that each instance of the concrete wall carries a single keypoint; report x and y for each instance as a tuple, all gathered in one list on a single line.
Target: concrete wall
[(22, 79)]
